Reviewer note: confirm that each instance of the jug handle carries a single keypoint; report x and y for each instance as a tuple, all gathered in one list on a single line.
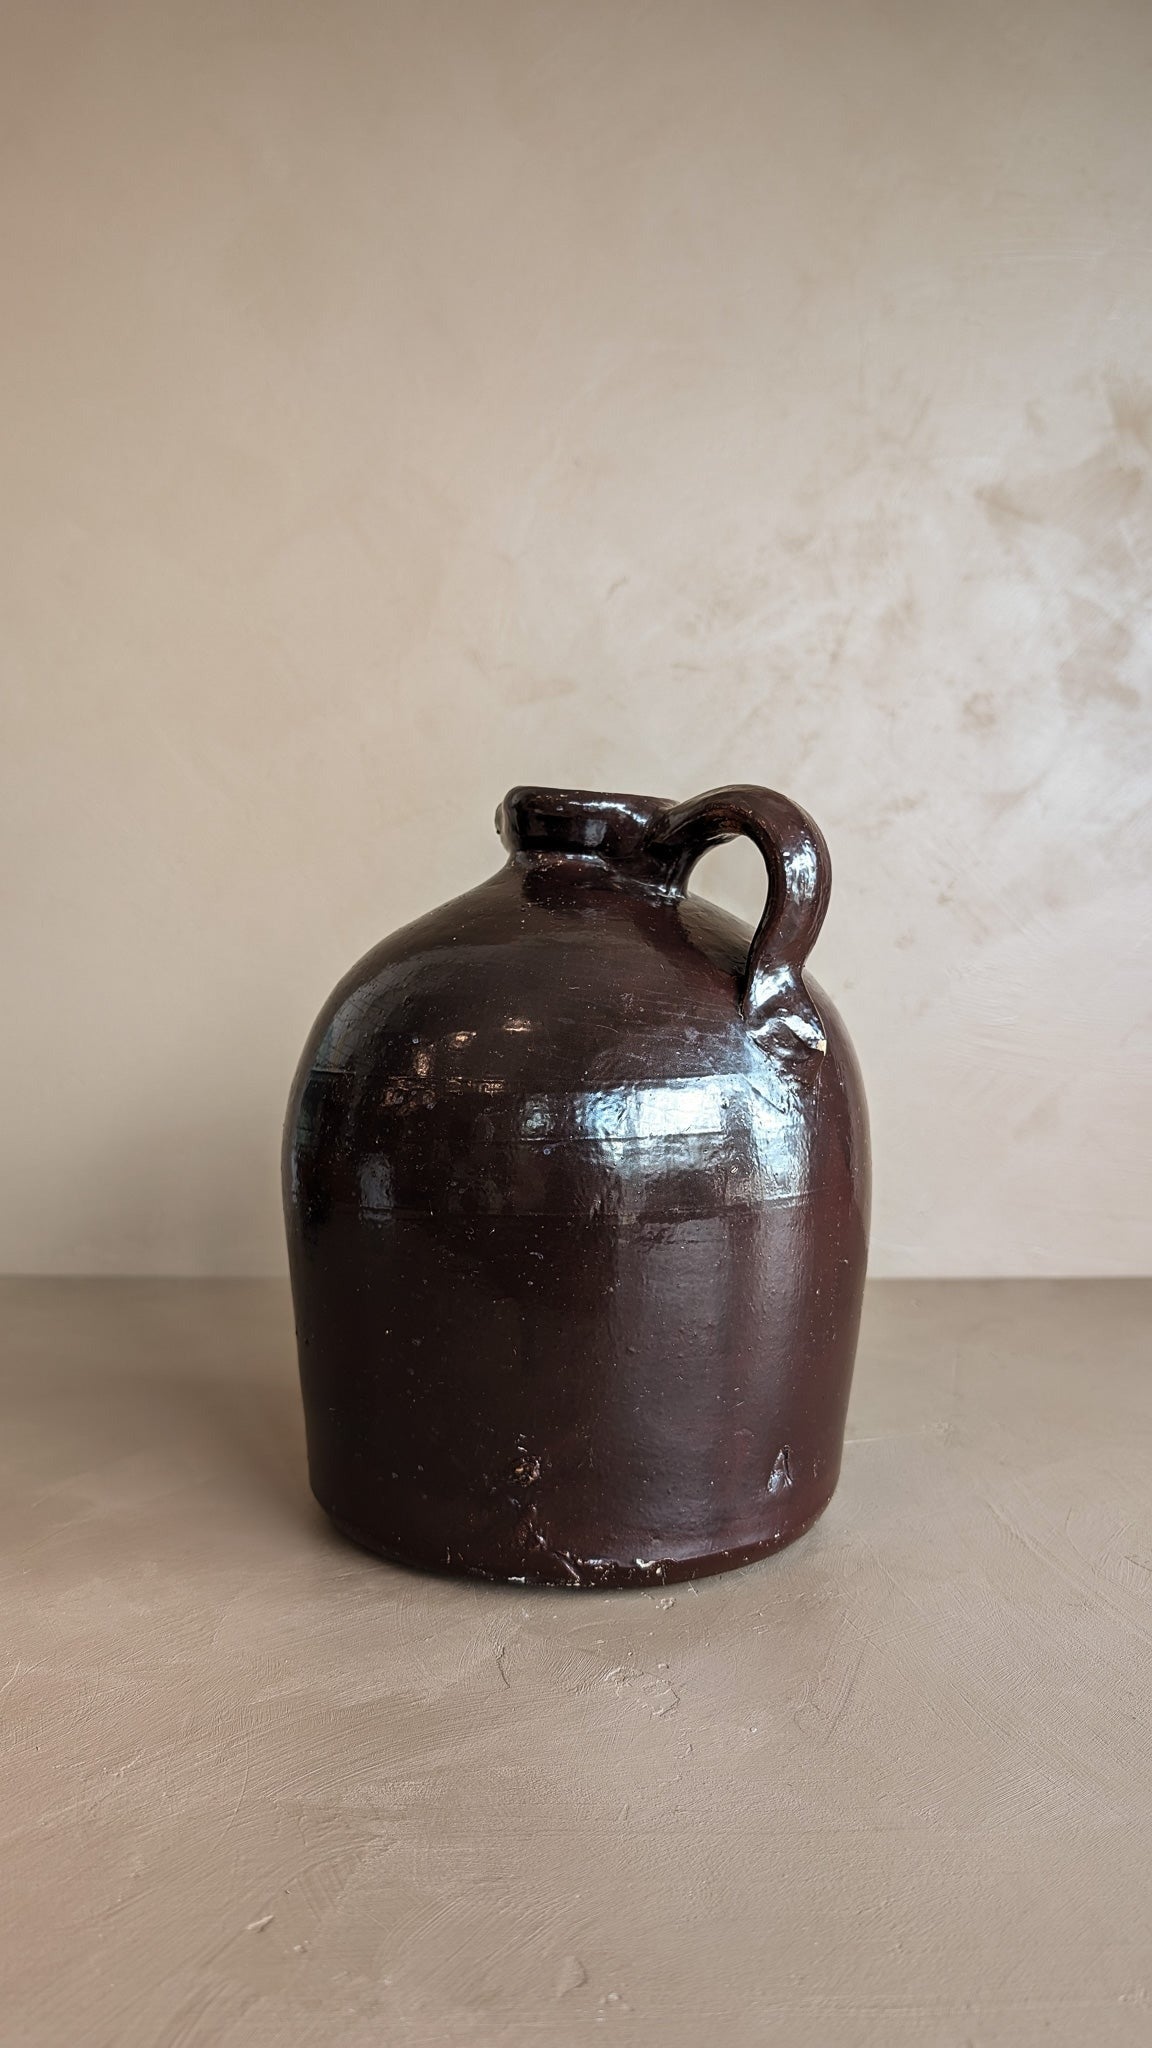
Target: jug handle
[(774, 1002)]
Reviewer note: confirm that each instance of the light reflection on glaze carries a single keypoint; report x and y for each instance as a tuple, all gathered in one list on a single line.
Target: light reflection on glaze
[(763, 1129)]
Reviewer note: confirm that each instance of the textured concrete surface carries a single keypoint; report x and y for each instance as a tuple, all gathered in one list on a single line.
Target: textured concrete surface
[(402, 399), (892, 1788)]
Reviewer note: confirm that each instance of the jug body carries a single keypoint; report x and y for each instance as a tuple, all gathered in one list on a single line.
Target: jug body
[(576, 1187)]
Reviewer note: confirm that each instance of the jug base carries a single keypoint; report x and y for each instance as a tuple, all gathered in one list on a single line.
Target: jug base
[(556, 1572)]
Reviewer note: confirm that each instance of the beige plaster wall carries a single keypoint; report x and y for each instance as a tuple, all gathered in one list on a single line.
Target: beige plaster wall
[(402, 400)]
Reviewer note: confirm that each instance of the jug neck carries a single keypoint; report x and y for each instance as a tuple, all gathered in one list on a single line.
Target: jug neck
[(609, 832)]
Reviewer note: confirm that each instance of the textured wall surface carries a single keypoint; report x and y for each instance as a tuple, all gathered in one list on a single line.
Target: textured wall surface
[(398, 401)]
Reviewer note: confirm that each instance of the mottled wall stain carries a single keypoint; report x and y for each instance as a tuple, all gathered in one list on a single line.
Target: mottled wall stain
[(978, 712), (1083, 499)]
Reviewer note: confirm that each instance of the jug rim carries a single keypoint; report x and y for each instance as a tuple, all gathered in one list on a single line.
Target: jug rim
[(612, 824)]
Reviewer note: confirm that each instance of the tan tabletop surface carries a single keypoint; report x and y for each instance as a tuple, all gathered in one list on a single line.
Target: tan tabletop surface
[(891, 1787)]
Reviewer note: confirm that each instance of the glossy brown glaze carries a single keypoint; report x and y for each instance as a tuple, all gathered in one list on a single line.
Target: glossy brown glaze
[(576, 1185)]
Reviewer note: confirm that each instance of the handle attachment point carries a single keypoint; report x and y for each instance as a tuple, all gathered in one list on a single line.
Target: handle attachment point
[(774, 1001)]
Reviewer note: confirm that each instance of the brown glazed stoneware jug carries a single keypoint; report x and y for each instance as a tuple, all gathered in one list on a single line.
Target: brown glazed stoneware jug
[(576, 1183)]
